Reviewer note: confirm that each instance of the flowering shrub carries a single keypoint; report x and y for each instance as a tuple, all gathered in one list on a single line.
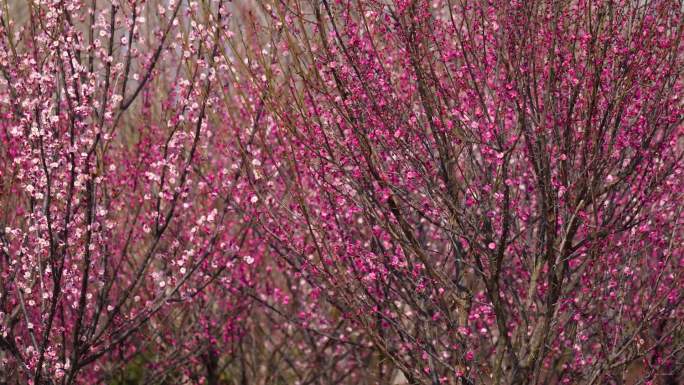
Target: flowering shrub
[(338, 191)]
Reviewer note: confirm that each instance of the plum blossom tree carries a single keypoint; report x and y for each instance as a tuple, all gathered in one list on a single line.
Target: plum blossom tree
[(115, 195), (490, 191)]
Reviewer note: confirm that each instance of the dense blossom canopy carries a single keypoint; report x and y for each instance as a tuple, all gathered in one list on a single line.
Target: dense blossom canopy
[(342, 192)]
